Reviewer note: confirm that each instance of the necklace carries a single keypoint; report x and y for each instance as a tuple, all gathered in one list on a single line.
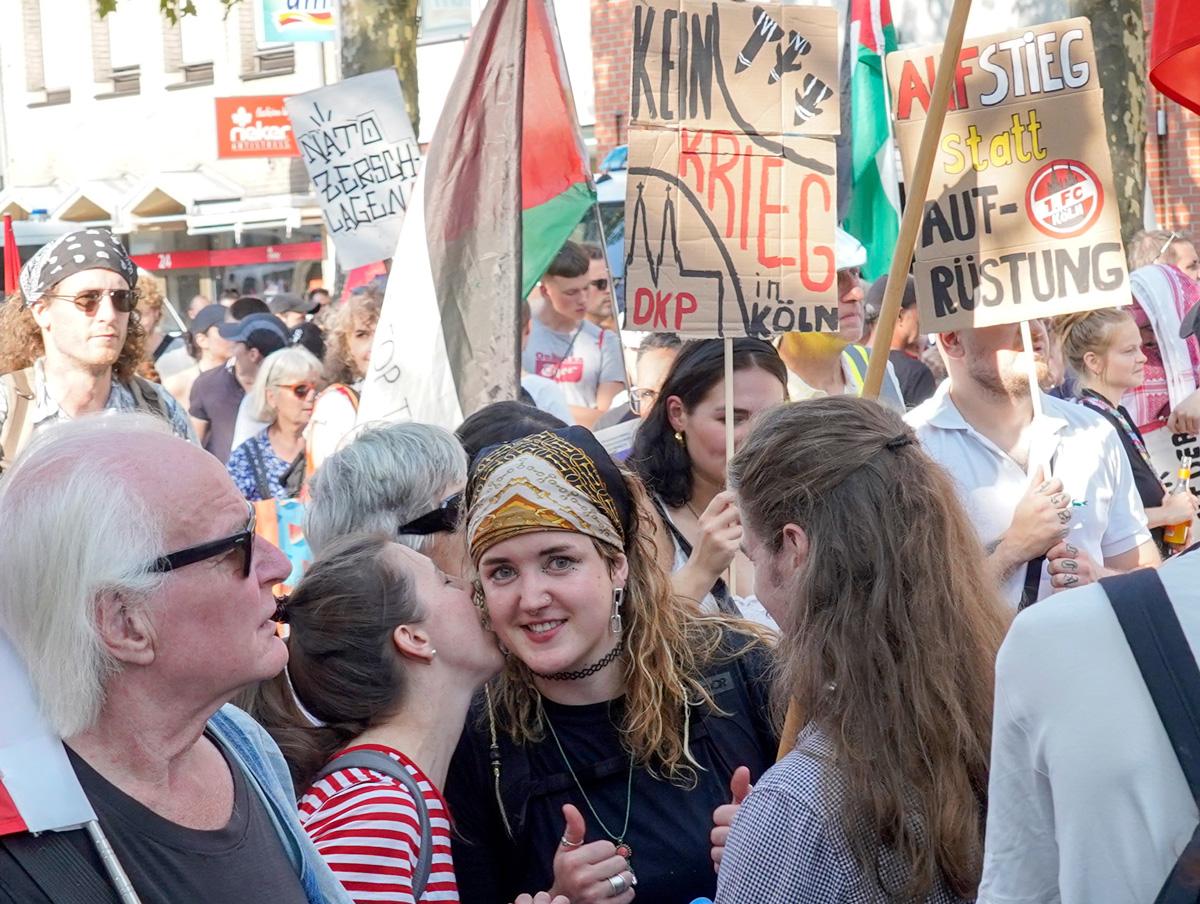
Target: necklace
[(592, 669), (623, 848)]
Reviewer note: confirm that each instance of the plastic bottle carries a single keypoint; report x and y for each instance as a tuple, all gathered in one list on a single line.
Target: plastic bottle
[(1176, 535)]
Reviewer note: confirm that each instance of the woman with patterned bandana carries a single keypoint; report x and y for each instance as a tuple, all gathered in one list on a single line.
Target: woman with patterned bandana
[(600, 763)]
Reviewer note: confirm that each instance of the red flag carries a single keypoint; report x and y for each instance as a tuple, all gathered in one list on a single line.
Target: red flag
[(12, 257), (1175, 52)]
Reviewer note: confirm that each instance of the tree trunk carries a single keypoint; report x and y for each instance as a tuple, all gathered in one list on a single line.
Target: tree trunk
[(377, 34), (1120, 37)]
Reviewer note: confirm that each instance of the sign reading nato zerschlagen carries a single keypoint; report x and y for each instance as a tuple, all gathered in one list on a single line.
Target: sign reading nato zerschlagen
[(361, 153), (1021, 217), (299, 20)]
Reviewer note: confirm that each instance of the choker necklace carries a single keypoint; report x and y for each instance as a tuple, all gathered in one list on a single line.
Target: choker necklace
[(592, 669)]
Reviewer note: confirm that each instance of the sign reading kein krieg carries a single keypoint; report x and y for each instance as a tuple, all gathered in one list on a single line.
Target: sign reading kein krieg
[(731, 197), (362, 156), (1021, 220)]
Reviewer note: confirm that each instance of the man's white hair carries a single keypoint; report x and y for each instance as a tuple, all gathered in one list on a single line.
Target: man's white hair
[(72, 529), (387, 477)]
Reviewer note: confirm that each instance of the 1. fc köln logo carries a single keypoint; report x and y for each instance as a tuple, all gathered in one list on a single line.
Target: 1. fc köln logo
[(1064, 199)]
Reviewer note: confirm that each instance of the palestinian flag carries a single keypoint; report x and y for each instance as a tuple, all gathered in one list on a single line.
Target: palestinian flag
[(38, 788), (874, 215), (505, 181), (1175, 51)]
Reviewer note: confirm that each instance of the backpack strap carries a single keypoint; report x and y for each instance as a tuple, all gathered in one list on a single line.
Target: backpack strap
[(260, 470), (56, 866), (18, 425), (147, 398), (380, 762), (1169, 670)]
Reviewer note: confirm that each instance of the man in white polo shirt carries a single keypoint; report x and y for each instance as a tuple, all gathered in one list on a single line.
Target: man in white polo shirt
[(1087, 803), (1058, 487)]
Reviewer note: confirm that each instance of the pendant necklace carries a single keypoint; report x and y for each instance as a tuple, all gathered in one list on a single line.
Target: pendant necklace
[(623, 848)]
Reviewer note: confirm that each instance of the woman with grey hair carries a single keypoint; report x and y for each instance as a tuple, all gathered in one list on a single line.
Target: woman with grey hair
[(271, 464), (400, 480)]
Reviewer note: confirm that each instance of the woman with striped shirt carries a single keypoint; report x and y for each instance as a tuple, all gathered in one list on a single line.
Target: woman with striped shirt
[(386, 653)]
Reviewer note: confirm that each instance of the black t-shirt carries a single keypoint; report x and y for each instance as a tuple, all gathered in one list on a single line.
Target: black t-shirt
[(915, 378), (1149, 487), (669, 825), (216, 395), (168, 863)]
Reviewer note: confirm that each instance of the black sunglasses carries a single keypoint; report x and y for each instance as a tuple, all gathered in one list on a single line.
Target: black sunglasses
[(443, 519), (124, 300), (243, 540)]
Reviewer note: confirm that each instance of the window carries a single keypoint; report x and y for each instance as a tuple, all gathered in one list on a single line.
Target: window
[(444, 20)]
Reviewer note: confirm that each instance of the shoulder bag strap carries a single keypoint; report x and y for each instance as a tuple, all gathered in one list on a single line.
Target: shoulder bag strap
[(1169, 670), (59, 869), (381, 762), (18, 425), (260, 472)]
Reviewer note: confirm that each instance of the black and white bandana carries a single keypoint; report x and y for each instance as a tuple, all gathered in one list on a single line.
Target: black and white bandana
[(95, 248)]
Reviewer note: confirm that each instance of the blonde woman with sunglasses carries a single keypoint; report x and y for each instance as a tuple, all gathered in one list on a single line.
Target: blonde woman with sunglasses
[(270, 465)]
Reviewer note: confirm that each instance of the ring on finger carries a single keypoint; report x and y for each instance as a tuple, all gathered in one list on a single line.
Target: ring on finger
[(618, 884), (569, 844)]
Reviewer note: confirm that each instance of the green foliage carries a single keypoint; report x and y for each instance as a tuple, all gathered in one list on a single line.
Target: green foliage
[(172, 10)]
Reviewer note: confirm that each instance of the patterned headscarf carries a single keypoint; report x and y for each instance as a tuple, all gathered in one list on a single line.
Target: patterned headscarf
[(557, 480), (86, 249), (1162, 295)]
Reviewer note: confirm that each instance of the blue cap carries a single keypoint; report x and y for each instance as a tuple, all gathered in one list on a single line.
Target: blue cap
[(241, 330), (208, 317)]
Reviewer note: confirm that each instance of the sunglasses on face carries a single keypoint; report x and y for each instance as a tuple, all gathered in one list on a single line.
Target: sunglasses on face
[(243, 540), (443, 519), (300, 390), (599, 284), (88, 301)]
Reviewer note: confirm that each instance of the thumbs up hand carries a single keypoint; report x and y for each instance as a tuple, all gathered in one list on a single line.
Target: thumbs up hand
[(739, 788), (589, 873)]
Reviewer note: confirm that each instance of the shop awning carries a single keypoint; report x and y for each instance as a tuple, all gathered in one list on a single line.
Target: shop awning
[(96, 202), (166, 198), (236, 216), (21, 201)]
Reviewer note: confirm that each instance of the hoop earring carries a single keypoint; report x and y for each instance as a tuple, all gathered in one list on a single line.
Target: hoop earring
[(614, 620)]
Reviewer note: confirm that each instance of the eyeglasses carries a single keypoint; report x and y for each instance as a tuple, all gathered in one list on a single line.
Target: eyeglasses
[(1167, 244), (443, 519), (642, 398), (600, 284), (300, 390), (243, 540), (88, 301)]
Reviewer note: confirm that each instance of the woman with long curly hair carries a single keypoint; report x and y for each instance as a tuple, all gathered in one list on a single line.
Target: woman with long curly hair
[(890, 628), (347, 353), (600, 753)]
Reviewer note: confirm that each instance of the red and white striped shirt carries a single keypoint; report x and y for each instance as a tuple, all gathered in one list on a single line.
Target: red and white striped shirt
[(365, 825)]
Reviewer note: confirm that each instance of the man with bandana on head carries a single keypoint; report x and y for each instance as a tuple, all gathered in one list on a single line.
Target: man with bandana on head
[(70, 341)]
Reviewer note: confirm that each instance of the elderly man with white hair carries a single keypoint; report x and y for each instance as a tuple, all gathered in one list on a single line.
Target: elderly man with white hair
[(138, 621), (402, 480)]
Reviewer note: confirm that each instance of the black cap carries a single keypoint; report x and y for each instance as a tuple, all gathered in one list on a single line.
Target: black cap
[(208, 317), (286, 301), (242, 330)]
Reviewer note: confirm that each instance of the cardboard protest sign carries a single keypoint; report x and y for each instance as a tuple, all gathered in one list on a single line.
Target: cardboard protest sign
[(362, 156), (1021, 219), (731, 199)]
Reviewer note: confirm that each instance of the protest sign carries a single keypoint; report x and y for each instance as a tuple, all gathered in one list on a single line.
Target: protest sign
[(731, 199), (362, 156), (299, 20), (1021, 218)]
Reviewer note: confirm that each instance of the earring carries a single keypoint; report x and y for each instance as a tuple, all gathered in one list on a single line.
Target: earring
[(614, 620), (679, 439), (432, 653)]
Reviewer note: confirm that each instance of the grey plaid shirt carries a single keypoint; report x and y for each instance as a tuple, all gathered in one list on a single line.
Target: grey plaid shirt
[(46, 410), (787, 845)]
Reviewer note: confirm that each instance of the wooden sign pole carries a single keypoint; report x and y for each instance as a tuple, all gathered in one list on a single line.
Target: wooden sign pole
[(910, 224)]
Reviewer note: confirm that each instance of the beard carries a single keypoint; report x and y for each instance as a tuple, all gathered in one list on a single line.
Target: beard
[(1010, 384)]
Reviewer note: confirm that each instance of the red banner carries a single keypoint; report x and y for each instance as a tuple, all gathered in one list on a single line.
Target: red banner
[(230, 257)]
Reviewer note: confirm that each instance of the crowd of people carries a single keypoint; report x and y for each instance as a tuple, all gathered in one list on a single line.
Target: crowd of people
[(514, 666)]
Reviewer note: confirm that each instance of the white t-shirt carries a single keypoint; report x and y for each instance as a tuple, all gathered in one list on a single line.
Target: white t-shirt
[(1087, 803), (247, 425), (1087, 457), (548, 396), (578, 361)]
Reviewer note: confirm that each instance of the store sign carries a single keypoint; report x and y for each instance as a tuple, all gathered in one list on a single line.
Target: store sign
[(299, 20), (199, 259), (254, 127)]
